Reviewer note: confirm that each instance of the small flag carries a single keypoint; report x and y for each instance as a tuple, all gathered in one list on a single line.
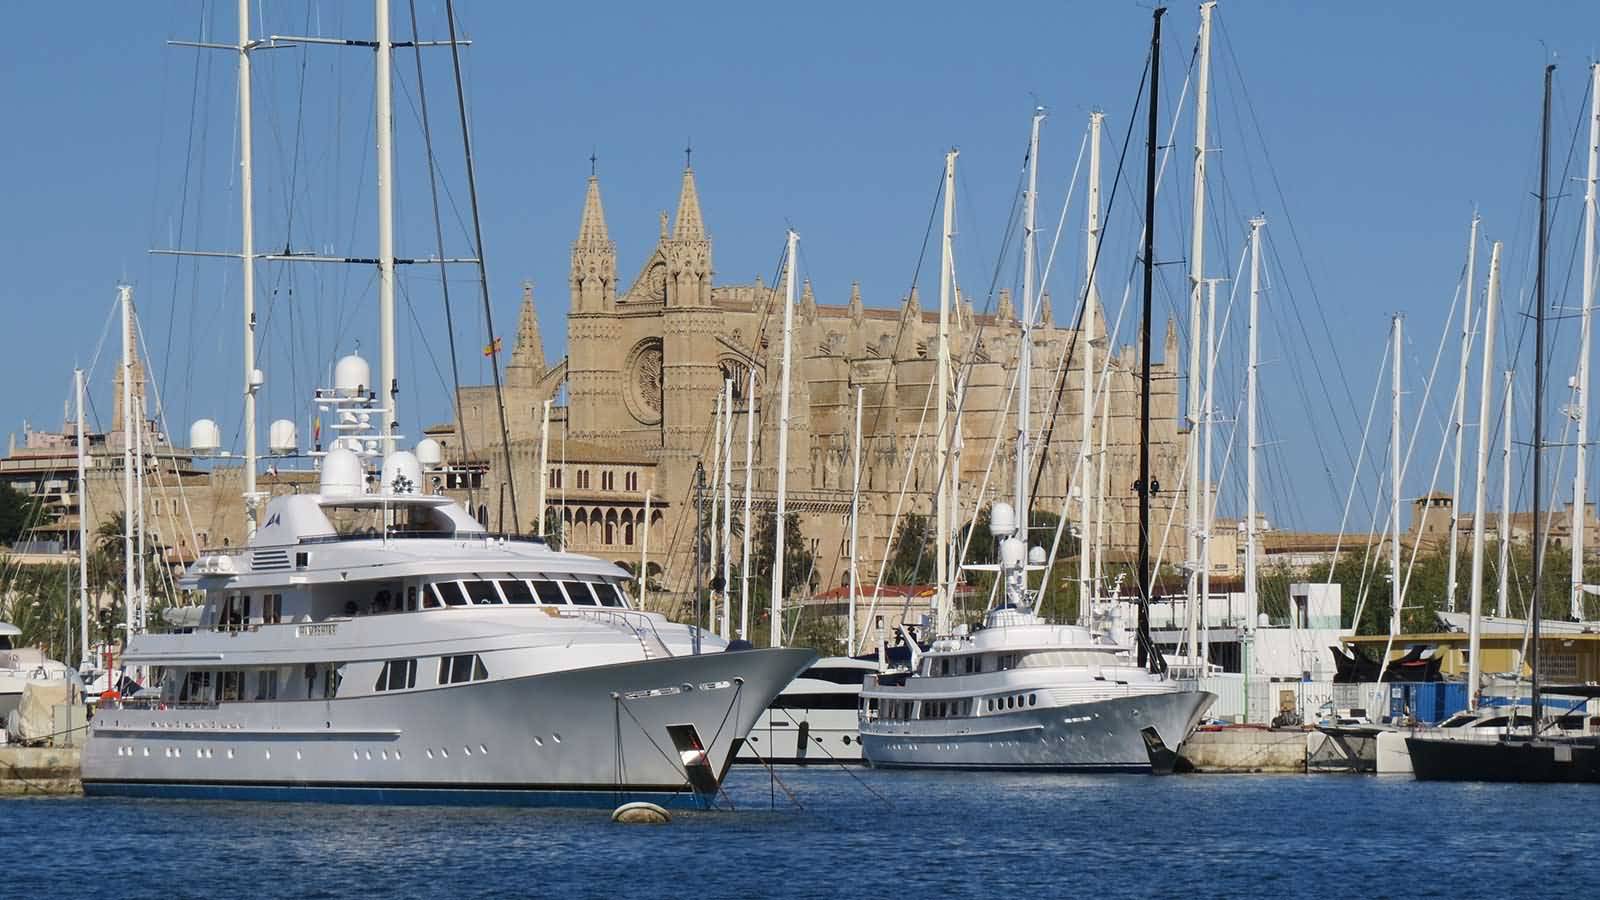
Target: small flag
[(492, 347), (316, 429)]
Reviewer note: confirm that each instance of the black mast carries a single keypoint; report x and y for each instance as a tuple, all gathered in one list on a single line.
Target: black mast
[(1143, 486), (1538, 391)]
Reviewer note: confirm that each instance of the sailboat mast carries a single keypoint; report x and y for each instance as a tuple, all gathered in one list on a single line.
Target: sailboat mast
[(1503, 599), (1538, 391), (1461, 413), (1151, 140), (125, 300), (1025, 346), (1197, 276), (855, 516), (1580, 498), (544, 472), (727, 509), (1251, 600), (247, 273), (389, 392), (1198, 635), (85, 660), (716, 500), (1479, 514), (749, 523), (1086, 472), (942, 406), (1395, 580), (775, 637)]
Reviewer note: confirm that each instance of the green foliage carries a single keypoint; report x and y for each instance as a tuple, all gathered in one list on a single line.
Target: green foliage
[(18, 513)]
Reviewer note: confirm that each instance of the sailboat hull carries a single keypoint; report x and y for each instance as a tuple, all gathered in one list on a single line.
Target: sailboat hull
[(1507, 759)]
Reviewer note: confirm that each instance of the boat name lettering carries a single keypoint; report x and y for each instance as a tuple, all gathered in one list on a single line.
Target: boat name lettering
[(328, 630)]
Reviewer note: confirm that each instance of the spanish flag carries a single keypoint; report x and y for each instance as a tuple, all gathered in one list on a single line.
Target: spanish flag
[(491, 348)]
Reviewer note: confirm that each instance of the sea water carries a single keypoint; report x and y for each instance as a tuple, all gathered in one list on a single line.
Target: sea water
[(834, 833)]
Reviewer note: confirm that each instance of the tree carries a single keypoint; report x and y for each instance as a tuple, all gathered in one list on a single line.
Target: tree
[(18, 513)]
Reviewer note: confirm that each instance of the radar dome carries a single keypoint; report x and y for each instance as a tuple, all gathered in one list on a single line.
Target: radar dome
[(1002, 520), (352, 376), (205, 436), (1036, 556), (281, 437), (402, 473), (429, 453), (341, 474)]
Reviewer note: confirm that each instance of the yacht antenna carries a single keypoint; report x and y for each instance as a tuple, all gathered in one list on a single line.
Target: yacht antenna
[(1538, 390), (1479, 514), (1580, 403), (1146, 657)]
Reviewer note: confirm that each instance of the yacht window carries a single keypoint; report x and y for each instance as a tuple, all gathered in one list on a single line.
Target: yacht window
[(411, 599), (232, 685), (549, 592), (271, 609), (1033, 699), (579, 592), (267, 685), (196, 688), (517, 591), (430, 597), (397, 675), (450, 592), (610, 594), (481, 593), (457, 669)]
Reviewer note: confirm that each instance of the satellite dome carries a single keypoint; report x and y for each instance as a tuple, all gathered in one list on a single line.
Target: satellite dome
[(352, 376), (429, 453), (281, 437), (205, 436), (402, 473), (1002, 520), (341, 474), (1036, 556)]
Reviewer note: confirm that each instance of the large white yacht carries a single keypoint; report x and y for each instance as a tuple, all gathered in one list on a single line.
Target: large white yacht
[(372, 643), (1023, 693), (814, 719)]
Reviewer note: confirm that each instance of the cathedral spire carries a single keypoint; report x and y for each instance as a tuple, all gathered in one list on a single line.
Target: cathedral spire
[(688, 226), (592, 230), (529, 350), (593, 276)]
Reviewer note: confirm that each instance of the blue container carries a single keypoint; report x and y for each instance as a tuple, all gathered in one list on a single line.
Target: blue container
[(1430, 702)]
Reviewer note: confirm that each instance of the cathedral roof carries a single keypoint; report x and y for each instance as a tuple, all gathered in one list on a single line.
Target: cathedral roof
[(689, 225)]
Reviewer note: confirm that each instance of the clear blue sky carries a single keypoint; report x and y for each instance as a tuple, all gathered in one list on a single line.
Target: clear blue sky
[(1384, 128)]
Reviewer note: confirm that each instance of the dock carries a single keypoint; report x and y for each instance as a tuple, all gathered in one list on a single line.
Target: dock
[(39, 770)]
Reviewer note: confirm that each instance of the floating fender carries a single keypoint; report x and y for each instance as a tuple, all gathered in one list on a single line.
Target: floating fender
[(640, 813)]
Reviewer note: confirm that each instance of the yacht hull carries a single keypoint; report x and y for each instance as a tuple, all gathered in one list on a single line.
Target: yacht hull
[(1096, 736), (580, 737), (800, 737), (1521, 760)]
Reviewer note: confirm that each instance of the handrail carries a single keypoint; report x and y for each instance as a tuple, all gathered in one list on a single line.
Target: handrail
[(620, 617)]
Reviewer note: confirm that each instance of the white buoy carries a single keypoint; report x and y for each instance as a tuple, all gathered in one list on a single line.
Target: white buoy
[(282, 438), (640, 813), (204, 436)]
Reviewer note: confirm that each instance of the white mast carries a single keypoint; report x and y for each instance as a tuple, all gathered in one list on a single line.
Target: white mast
[(1394, 494), (544, 471), (1197, 251), (644, 549), (941, 406), (1461, 413), (247, 259), (1199, 637), (1086, 473), (1025, 350), (1580, 402), (775, 638), (749, 524), (712, 537), (727, 508), (385, 126), (1479, 514), (1503, 602), (141, 586), (1250, 599), (1102, 481), (125, 299), (855, 516), (85, 660)]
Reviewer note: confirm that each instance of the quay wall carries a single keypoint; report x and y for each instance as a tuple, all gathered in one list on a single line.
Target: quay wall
[(40, 770)]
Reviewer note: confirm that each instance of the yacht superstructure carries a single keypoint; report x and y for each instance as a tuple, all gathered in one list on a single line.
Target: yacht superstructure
[(374, 643)]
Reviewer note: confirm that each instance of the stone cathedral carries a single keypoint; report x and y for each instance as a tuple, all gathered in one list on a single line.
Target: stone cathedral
[(647, 361)]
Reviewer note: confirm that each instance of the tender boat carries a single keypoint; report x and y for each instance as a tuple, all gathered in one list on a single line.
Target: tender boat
[(372, 643)]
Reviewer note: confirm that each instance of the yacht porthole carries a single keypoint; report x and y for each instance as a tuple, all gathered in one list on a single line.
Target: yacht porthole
[(397, 754), (147, 751), (538, 741), (444, 753), (268, 753), (556, 738), (297, 755), (355, 755), (368, 755), (384, 754), (467, 750), (484, 749), (428, 751), (230, 753)]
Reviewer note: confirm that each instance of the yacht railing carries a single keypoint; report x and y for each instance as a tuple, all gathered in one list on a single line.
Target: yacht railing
[(638, 623)]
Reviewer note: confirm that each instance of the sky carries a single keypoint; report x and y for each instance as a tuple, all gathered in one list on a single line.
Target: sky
[(1367, 134)]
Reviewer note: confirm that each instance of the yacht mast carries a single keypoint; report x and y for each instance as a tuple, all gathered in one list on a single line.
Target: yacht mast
[(1461, 413), (1199, 637), (1580, 403), (1025, 348), (544, 471), (941, 484), (1197, 252), (727, 508), (855, 516), (1538, 395), (1503, 599), (644, 547), (247, 273), (389, 393), (775, 638), (125, 300), (1086, 471), (85, 659), (1395, 580), (713, 538), (1251, 600), (749, 458), (1145, 656), (1479, 514)]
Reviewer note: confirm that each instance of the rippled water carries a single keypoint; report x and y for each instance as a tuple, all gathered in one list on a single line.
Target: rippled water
[(929, 835)]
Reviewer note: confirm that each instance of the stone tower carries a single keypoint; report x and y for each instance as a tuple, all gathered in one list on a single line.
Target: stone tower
[(691, 378), (592, 331)]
